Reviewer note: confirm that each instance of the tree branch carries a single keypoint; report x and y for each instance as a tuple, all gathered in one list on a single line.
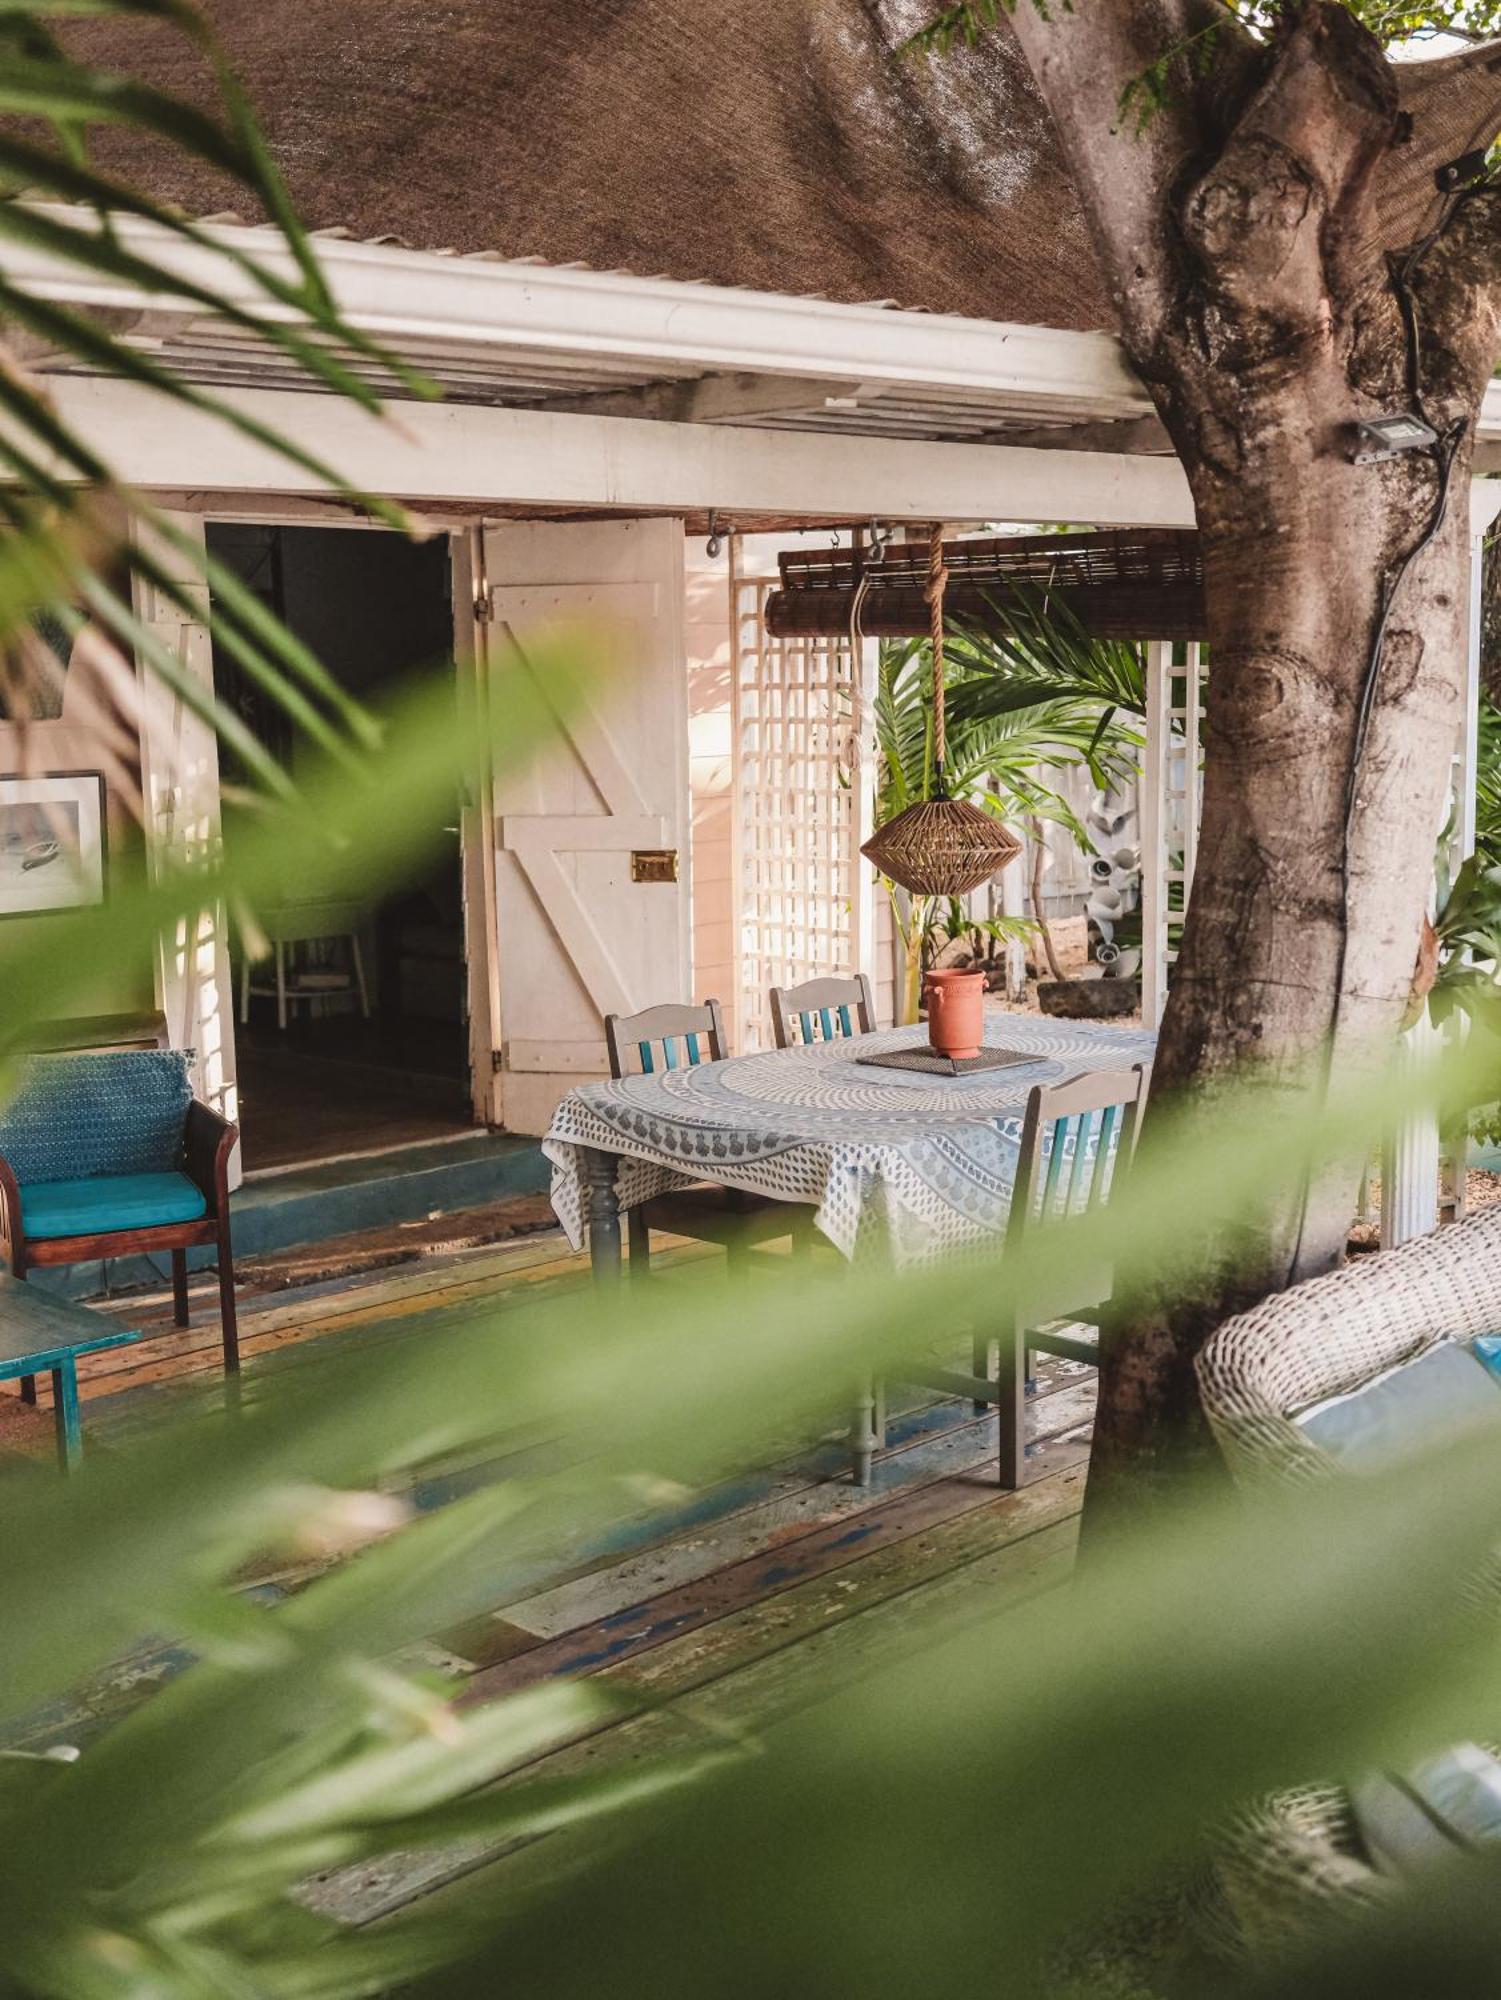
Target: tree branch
[(1083, 68), (1453, 104), (1283, 210)]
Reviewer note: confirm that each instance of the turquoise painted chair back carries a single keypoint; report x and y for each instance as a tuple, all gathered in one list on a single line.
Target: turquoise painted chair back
[(665, 1038), (822, 1010), (1076, 1137), (85, 1117)]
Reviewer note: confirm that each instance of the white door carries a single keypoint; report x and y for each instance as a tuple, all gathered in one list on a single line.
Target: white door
[(587, 827), (180, 790)]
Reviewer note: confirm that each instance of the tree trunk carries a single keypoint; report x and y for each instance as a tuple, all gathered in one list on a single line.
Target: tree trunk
[(1285, 268)]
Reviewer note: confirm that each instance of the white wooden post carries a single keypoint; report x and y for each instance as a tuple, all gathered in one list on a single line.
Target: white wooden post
[(1410, 1156), (1154, 835), (180, 790), (472, 626), (1412, 1161)]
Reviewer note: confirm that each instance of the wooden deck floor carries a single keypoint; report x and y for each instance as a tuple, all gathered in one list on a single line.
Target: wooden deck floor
[(727, 1610)]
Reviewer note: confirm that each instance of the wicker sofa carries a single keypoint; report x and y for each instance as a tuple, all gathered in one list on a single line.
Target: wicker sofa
[(1336, 1334), (1298, 1857)]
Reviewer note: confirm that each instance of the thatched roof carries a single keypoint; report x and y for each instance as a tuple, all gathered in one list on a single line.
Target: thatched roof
[(774, 144)]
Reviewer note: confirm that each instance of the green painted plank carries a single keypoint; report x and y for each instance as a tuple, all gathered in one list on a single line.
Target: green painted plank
[(772, 1685), (793, 1508), (793, 1588)]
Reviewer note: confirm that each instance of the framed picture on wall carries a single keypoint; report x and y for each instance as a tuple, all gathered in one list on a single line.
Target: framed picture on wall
[(51, 842)]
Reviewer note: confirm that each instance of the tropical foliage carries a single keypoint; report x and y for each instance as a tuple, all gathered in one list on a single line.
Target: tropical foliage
[(1014, 715), (74, 537), (936, 1826)]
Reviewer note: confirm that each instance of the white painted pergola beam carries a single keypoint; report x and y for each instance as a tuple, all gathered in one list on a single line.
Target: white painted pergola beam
[(484, 458), (403, 296)]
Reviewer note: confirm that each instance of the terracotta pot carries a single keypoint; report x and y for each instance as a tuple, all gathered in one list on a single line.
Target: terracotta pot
[(956, 1013)]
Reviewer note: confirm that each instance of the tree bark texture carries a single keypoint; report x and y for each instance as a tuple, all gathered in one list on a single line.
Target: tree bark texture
[(1270, 246)]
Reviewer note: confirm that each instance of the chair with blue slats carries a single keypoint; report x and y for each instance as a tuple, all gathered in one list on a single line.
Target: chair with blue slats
[(1076, 1136), (822, 1010), (671, 1037)]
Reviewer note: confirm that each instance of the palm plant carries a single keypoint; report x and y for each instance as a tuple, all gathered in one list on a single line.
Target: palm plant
[(1033, 650), (163, 1863), (999, 747)]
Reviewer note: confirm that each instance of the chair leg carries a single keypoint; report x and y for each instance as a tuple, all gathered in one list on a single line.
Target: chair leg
[(639, 1238), (982, 1364), (281, 986), (228, 1322), (1012, 1400), (359, 973), (179, 1287), (28, 1382), (245, 990), (868, 1431)]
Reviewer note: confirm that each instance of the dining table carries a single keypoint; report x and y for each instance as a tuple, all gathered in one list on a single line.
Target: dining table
[(905, 1164)]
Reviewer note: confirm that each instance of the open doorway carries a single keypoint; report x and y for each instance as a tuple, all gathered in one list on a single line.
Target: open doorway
[(352, 1036)]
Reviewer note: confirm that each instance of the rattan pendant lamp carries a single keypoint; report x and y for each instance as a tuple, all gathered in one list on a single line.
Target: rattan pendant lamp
[(940, 846)]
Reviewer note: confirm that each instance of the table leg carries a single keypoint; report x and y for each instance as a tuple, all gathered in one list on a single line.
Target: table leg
[(868, 1431), (65, 1414), (604, 1215)]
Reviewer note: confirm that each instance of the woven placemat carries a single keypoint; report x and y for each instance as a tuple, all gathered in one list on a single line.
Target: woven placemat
[(931, 1063)]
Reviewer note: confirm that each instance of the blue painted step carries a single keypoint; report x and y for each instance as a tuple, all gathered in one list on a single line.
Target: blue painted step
[(296, 1205)]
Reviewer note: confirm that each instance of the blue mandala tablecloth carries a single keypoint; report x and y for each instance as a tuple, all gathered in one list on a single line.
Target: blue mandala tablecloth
[(922, 1164)]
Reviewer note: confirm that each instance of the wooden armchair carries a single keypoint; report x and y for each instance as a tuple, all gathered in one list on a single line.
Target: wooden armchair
[(674, 1037), (105, 1155), (822, 1010)]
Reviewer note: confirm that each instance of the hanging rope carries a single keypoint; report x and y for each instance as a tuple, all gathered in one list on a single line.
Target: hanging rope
[(856, 758), (938, 578), (939, 846)]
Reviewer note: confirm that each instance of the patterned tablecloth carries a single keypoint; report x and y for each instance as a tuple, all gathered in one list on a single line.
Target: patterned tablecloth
[(923, 1164)]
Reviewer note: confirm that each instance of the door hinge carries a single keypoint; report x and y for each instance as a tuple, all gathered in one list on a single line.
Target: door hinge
[(484, 610)]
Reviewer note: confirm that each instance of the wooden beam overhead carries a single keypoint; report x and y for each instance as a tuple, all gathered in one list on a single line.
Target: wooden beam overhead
[(710, 399), (478, 457)]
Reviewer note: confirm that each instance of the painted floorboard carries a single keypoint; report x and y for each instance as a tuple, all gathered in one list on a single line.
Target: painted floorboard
[(731, 1698)]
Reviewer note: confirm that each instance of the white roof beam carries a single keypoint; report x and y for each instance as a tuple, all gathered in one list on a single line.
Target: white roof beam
[(712, 399), (480, 456), (662, 326)]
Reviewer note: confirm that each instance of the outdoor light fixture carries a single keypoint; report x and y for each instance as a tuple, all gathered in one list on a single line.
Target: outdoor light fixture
[(1389, 437)]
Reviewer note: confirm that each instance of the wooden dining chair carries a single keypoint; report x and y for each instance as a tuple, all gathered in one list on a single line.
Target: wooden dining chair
[(1077, 1137), (822, 1010), (671, 1037)]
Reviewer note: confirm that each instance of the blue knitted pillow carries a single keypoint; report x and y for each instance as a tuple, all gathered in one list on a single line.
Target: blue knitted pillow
[(75, 1117)]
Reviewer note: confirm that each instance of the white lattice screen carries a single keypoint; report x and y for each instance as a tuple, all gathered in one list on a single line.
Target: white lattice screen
[(801, 780), (1172, 798)]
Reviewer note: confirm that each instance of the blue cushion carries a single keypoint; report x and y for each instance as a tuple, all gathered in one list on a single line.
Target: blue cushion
[(78, 1116), (1411, 1819), (112, 1201), (1423, 1403)]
